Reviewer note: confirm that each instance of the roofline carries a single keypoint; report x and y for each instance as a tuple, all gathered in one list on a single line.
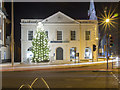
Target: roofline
[(62, 14)]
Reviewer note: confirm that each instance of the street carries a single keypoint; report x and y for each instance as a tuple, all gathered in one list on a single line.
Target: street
[(63, 78)]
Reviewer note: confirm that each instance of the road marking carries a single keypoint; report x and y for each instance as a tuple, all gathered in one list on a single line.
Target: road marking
[(115, 77), (29, 86), (26, 86), (45, 83), (34, 82), (21, 86)]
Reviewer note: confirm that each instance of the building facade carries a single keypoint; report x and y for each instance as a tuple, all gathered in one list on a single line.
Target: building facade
[(4, 48), (69, 39)]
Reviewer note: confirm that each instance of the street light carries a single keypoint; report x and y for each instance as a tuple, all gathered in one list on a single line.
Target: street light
[(107, 20), (107, 36)]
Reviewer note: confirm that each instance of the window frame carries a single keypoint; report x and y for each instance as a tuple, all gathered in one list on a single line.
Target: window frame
[(46, 34), (88, 35), (28, 35), (61, 35), (72, 35)]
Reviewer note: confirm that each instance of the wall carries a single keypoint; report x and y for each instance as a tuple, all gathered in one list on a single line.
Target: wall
[(80, 43)]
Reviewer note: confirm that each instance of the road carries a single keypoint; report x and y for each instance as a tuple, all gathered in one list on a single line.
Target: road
[(75, 78)]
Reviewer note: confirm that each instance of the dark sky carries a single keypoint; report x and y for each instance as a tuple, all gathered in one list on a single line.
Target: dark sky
[(41, 10)]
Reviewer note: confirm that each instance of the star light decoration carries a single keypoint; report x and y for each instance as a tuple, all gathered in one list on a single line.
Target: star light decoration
[(39, 29), (40, 26), (108, 19)]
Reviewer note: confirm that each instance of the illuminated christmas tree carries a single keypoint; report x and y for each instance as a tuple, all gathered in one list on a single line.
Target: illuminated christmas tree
[(40, 47)]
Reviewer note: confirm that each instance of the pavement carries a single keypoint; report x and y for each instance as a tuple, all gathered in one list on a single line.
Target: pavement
[(47, 66)]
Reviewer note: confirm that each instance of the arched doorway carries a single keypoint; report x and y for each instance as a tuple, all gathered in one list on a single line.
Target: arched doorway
[(88, 53), (29, 54), (59, 53)]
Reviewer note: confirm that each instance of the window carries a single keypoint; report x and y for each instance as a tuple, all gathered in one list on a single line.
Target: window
[(46, 32), (72, 53), (73, 35), (88, 53), (0, 4), (30, 35), (59, 35), (0, 20), (0, 35), (87, 35)]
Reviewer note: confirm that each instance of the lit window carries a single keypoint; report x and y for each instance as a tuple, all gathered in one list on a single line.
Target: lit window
[(73, 35), (0, 20), (59, 35), (72, 52), (30, 35), (87, 35)]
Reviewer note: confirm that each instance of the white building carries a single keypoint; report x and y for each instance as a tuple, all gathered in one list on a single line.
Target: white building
[(68, 37), (4, 48), (65, 35)]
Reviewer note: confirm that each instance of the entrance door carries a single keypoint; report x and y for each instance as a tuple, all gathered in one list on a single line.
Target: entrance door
[(59, 53)]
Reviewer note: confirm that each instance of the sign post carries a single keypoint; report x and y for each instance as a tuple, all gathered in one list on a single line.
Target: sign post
[(77, 54)]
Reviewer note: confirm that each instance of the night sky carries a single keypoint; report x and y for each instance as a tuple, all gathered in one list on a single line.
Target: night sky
[(42, 10)]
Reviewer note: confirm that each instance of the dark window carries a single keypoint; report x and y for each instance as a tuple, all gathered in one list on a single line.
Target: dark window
[(87, 35), (46, 32), (0, 4), (59, 35), (73, 35), (0, 35), (30, 35)]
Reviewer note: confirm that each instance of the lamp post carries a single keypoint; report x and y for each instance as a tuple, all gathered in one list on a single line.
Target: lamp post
[(108, 20), (12, 36), (107, 36)]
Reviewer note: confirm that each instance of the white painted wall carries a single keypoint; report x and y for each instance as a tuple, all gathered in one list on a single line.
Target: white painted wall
[(88, 43), (80, 43), (25, 43)]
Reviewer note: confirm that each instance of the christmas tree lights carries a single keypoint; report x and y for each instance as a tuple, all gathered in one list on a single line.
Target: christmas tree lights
[(40, 47)]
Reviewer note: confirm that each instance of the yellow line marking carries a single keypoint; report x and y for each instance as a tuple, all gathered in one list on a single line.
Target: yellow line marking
[(21, 86), (29, 86), (34, 82), (45, 83)]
